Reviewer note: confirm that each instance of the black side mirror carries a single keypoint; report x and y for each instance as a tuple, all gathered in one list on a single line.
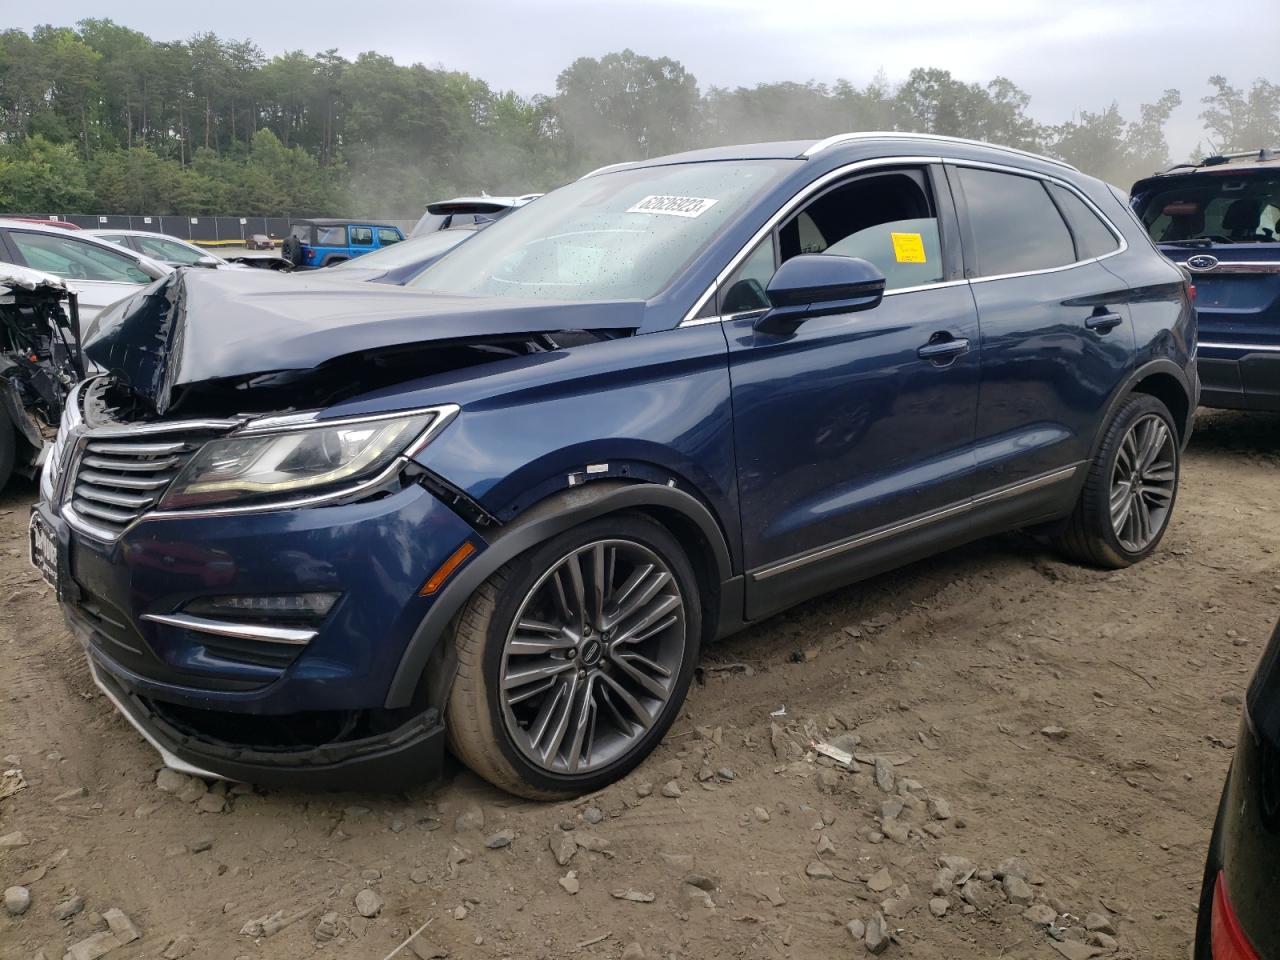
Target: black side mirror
[(817, 285)]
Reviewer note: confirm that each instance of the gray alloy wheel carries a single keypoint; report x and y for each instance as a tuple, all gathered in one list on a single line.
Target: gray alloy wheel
[(593, 656), (1142, 482)]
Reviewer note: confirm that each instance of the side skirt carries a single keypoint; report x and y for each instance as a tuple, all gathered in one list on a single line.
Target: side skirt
[(789, 581)]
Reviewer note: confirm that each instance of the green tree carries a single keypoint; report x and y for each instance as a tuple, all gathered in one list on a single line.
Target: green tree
[(1240, 120)]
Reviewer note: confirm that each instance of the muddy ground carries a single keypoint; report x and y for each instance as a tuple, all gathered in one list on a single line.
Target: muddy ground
[(951, 669)]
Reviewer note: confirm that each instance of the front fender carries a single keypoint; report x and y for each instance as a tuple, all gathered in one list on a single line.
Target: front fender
[(539, 523)]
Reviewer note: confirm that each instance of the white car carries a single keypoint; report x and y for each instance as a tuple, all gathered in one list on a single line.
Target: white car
[(157, 246), (100, 273)]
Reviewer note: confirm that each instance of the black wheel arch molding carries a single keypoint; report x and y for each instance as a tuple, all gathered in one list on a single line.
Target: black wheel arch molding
[(1156, 375), (542, 521)]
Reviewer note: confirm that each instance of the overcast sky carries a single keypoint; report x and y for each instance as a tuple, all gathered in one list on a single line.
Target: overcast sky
[(1068, 56)]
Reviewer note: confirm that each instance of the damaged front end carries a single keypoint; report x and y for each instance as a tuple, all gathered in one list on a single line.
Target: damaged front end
[(244, 535), (40, 361)]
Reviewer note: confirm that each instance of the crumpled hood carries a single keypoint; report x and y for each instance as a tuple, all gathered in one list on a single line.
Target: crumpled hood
[(14, 277), (198, 326)]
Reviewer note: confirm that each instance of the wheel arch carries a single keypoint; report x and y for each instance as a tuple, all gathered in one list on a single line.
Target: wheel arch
[(1162, 379), (681, 513)]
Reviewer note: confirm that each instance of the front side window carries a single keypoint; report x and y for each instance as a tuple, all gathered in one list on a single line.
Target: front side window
[(386, 236), (887, 219), (168, 251), (75, 259), (362, 236), (1015, 226), (621, 235)]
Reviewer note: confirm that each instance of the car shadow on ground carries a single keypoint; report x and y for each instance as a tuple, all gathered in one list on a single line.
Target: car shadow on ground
[(1234, 433)]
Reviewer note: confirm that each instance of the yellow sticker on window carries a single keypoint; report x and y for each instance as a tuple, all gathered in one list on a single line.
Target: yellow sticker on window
[(908, 247)]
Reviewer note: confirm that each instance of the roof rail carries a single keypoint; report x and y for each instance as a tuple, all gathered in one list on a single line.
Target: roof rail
[(1218, 159), (842, 138)]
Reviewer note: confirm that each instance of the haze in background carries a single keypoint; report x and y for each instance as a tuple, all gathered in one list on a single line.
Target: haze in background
[(1067, 56)]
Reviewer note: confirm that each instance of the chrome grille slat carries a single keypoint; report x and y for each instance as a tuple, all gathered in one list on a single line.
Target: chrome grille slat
[(104, 463), (122, 480), (136, 449), (103, 513), (130, 501)]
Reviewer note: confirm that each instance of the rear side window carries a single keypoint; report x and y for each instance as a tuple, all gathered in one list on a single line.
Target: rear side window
[(1093, 237), (362, 236), (331, 237), (1014, 225)]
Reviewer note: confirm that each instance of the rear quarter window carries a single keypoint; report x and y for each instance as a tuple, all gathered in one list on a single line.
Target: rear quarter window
[(1093, 237)]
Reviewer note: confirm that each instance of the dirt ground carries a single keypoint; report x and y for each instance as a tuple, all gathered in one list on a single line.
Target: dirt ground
[(951, 669)]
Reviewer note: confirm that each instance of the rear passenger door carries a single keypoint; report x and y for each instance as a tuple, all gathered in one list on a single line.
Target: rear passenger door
[(1055, 328)]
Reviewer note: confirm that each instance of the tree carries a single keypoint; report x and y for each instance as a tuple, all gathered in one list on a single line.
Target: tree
[(1239, 120)]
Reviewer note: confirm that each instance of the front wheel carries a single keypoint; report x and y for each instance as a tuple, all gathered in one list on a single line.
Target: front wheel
[(1129, 493), (574, 659)]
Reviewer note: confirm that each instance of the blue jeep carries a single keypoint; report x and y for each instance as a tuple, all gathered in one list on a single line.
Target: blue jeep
[(310, 531), (322, 243), (1220, 219)]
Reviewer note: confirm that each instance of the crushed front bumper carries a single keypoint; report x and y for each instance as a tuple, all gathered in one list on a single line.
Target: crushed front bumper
[(213, 709)]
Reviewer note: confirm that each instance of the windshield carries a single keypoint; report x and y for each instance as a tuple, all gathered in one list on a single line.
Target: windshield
[(619, 236), (407, 252), (1213, 208)]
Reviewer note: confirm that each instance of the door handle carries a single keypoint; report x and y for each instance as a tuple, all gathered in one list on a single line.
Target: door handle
[(1103, 322), (941, 351)]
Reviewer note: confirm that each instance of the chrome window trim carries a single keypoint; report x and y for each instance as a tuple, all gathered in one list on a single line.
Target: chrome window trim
[(1255, 347), (839, 547), (843, 138), (292, 636), (691, 318)]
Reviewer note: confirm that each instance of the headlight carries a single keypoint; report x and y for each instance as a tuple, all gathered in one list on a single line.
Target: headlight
[(299, 461)]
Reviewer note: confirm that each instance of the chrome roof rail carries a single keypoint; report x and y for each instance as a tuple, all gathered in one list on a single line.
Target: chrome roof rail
[(842, 138)]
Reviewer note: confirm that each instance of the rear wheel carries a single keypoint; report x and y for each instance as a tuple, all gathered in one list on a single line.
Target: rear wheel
[(1129, 493), (574, 659)]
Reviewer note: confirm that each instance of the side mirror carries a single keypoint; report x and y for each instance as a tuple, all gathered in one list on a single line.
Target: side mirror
[(209, 262), (817, 285)]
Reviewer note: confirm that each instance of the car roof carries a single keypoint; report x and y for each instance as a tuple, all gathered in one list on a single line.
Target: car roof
[(108, 231), (807, 149), (480, 204), (342, 221), (1267, 158)]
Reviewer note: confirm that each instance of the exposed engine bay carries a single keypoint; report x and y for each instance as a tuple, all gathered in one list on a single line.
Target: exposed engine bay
[(40, 360)]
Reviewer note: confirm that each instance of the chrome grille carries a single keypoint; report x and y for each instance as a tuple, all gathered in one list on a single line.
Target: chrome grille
[(117, 480)]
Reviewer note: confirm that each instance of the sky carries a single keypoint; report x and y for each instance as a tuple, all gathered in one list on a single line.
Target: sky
[(1069, 56)]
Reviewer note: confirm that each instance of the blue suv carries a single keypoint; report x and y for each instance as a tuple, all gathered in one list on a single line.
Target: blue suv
[(326, 242), (310, 531), (1220, 219)]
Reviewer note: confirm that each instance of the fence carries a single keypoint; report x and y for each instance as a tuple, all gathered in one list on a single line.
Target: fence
[(206, 231)]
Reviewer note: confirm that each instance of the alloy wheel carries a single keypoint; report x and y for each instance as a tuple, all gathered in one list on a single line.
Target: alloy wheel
[(1143, 482), (593, 656)]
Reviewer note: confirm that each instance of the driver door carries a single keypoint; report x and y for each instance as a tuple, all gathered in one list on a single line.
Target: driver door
[(857, 428)]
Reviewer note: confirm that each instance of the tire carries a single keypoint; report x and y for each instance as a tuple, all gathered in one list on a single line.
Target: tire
[(291, 250), (483, 725), (8, 449), (1091, 535)]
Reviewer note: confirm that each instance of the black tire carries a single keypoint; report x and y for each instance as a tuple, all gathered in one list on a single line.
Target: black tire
[(8, 449), (478, 733), (291, 250), (1089, 535)]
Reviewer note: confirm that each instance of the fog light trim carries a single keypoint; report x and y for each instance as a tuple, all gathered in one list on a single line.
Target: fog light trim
[(295, 636)]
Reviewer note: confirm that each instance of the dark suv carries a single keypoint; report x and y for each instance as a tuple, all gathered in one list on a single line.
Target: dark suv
[(310, 530), (1220, 219)]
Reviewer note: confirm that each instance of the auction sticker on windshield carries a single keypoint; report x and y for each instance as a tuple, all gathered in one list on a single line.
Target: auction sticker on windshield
[(673, 206)]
